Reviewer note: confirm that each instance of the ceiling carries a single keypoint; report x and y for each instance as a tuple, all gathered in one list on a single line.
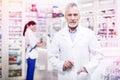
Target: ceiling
[(63, 2), (90, 1), (85, 1)]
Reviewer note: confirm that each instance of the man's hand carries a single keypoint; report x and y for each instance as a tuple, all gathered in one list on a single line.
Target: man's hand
[(67, 65), (82, 70)]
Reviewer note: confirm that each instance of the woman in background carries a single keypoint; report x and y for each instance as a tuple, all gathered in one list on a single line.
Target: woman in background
[(31, 42)]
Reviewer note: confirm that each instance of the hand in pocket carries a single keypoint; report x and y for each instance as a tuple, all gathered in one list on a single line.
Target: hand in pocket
[(82, 76)]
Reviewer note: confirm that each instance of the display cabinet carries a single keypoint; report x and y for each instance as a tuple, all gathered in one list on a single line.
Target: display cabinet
[(107, 29), (105, 18), (11, 25), (101, 19), (15, 41)]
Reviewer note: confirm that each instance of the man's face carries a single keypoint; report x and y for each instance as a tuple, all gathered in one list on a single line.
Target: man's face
[(72, 16)]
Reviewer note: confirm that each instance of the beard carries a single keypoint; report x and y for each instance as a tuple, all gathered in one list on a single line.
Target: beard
[(73, 24)]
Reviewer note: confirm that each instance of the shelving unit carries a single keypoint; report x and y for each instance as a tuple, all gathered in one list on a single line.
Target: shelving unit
[(101, 19), (107, 28), (0, 39), (15, 45), (105, 19), (11, 53)]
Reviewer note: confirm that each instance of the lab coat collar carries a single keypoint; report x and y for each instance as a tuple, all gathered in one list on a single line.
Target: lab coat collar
[(79, 34)]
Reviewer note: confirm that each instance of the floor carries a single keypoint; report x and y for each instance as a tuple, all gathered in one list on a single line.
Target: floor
[(45, 75), (43, 69)]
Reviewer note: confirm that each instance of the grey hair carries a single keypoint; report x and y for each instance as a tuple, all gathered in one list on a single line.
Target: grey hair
[(70, 5)]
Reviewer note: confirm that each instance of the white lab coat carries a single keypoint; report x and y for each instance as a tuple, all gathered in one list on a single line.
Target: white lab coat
[(80, 51), (31, 40)]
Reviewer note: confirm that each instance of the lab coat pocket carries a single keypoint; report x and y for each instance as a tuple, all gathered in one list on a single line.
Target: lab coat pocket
[(83, 76)]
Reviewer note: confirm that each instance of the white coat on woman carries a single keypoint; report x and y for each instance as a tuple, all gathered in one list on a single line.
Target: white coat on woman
[(31, 41), (84, 51)]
